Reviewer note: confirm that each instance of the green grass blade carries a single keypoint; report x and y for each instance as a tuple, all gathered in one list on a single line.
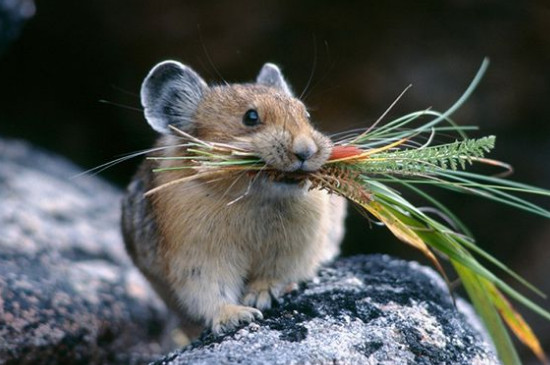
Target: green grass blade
[(436, 203), (452, 244), (485, 308), (495, 194), (469, 244)]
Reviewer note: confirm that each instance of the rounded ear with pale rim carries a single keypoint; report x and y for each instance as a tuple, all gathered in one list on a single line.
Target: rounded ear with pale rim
[(270, 75), (170, 95)]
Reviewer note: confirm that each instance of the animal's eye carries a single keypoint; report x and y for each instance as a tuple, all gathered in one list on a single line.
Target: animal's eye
[(251, 118)]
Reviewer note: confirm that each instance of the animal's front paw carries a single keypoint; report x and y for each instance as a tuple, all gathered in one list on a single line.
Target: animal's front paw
[(231, 316), (262, 293)]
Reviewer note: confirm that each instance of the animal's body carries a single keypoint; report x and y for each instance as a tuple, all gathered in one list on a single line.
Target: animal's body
[(218, 251)]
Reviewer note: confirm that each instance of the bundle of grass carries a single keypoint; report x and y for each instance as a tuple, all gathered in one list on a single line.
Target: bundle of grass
[(368, 168)]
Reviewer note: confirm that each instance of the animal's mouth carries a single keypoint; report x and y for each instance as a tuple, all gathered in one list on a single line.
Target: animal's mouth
[(289, 178)]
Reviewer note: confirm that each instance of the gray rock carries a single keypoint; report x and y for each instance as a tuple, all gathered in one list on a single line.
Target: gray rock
[(360, 310), (69, 294), (13, 14), (68, 291)]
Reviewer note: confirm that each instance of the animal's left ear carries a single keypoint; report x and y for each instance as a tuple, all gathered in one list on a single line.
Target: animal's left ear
[(270, 75)]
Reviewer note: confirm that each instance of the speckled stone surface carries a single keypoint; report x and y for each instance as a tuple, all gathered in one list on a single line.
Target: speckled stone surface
[(361, 310), (13, 14), (68, 291), (69, 294)]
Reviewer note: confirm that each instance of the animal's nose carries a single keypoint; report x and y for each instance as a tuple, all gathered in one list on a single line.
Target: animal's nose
[(303, 155), (304, 147)]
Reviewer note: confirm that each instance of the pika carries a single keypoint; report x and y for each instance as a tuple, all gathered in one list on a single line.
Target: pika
[(220, 251)]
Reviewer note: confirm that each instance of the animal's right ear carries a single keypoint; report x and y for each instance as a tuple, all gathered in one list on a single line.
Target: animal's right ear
[(270, 75), (170, 95)]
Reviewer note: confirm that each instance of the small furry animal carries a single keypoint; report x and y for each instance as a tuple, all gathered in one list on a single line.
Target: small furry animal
[(219, 251)]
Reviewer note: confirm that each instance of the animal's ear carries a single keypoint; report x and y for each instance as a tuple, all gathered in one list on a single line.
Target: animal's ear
[(270, 75), (170, 95)]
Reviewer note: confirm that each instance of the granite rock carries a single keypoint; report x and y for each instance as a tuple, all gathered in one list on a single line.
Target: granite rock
[(360, 310), (68, 291), (13, 15)]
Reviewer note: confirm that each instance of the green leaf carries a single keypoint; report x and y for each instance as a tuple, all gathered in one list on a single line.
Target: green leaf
[(486, 309)]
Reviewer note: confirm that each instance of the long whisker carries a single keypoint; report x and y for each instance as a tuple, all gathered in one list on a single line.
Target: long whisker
[(183, 180), (99, 169), (124, 91), (209, 58), (132, 108), (313, 68)]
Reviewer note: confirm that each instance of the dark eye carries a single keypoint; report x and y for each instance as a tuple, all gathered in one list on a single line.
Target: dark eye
[(251, 118)]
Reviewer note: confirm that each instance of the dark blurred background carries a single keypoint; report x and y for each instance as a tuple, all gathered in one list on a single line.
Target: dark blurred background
[(353, 57)]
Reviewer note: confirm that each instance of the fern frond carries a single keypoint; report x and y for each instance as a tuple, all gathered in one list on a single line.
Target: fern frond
[(428, 160)]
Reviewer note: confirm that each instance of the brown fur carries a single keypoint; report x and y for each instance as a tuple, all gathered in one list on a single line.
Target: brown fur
[(217, 251)]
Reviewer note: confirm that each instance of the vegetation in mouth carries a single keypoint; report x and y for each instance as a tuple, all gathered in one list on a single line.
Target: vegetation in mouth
[(374, 168)]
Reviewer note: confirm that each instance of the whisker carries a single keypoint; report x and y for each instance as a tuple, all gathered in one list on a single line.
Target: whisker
[(328, 69), (124, 91), (182, 180), (208, 58), (313, 68), (99, 169), (127, 107)]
